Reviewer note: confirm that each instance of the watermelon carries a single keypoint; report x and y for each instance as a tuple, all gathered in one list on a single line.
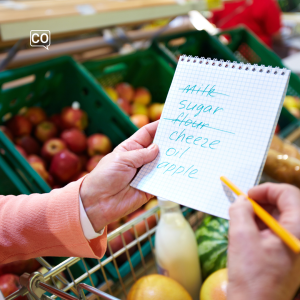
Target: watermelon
[(212, 241)]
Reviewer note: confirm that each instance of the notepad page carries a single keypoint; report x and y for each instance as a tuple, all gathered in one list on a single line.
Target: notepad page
[(217, 121)]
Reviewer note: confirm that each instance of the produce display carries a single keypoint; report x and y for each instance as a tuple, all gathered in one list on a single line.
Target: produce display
[(157, 287), (292, 104), (135, 102), (57, 147), (215, 286), (212, 240), (283, 162)]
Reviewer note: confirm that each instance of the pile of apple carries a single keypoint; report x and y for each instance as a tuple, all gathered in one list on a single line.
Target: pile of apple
[(136, 103), (57, 147)]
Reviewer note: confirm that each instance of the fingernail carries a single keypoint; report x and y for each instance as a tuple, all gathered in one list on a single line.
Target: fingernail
[(152, 146)]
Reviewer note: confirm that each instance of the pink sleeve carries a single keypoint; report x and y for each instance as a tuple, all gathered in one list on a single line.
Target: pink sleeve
[(45, 225)]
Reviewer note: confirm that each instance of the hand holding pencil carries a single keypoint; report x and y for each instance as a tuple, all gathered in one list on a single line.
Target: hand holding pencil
[(260, 265), (288, 238)]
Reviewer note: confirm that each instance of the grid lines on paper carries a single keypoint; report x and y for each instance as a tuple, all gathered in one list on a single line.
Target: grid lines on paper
[(245, 125)]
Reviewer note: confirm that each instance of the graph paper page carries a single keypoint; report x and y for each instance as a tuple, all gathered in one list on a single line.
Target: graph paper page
[(217, 121)]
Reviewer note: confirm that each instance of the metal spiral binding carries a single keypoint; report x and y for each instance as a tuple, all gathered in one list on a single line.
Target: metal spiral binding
[(228, 64)]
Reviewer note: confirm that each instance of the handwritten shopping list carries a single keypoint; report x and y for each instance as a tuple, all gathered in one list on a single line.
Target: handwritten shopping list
[(218, 119)]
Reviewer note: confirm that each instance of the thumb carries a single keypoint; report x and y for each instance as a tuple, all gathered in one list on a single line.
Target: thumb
[(242, 222), (140, 157)]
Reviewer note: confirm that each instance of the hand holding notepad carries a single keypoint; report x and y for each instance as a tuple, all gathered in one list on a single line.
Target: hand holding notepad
[(218, 120)]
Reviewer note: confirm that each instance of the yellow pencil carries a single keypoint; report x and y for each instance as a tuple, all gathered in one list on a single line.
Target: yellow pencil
[(289, 239)]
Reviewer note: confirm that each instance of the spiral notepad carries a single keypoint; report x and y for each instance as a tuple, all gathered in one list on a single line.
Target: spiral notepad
[(218, 120)]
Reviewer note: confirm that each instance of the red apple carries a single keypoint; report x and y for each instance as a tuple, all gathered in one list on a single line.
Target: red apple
[(52, 147), (80, 175), (124, 105), (93, 162), (141, 227), (125, 91), (116, 244), (142, 96), (74, 118), (21, 150), (35, 115), (155, 111), (75, 140), (29, 144), (83, 158), (34, 158), (9, 283), (113, 225), (19, 267), (50, 180), (7, 132), (40, 169), (98, 144), (56, 119), (45, 131), (139, 120), (64, 166), (19, 126)]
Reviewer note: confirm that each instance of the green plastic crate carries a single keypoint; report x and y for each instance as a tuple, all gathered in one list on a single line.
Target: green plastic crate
[(143, 68), (52, 85), (194, 43), (288, 5), (11, 183), (202, 44)]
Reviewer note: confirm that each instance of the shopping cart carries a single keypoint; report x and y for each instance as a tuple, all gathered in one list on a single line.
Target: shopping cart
[(46, 287)]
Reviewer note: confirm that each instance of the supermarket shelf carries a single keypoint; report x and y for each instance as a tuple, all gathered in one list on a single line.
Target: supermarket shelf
[(88, 48), (71, 15)]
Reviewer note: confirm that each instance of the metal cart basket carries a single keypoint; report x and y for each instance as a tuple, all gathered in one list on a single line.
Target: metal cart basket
[(54, 284)]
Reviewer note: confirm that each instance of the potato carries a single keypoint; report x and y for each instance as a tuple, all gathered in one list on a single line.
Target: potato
[(272, 162), (290, 150), (276, 144)]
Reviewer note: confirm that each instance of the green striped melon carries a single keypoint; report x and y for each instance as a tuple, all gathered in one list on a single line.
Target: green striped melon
[(212, 240)]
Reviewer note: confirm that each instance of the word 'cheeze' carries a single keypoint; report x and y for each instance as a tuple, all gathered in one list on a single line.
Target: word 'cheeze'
[(190, 139)]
